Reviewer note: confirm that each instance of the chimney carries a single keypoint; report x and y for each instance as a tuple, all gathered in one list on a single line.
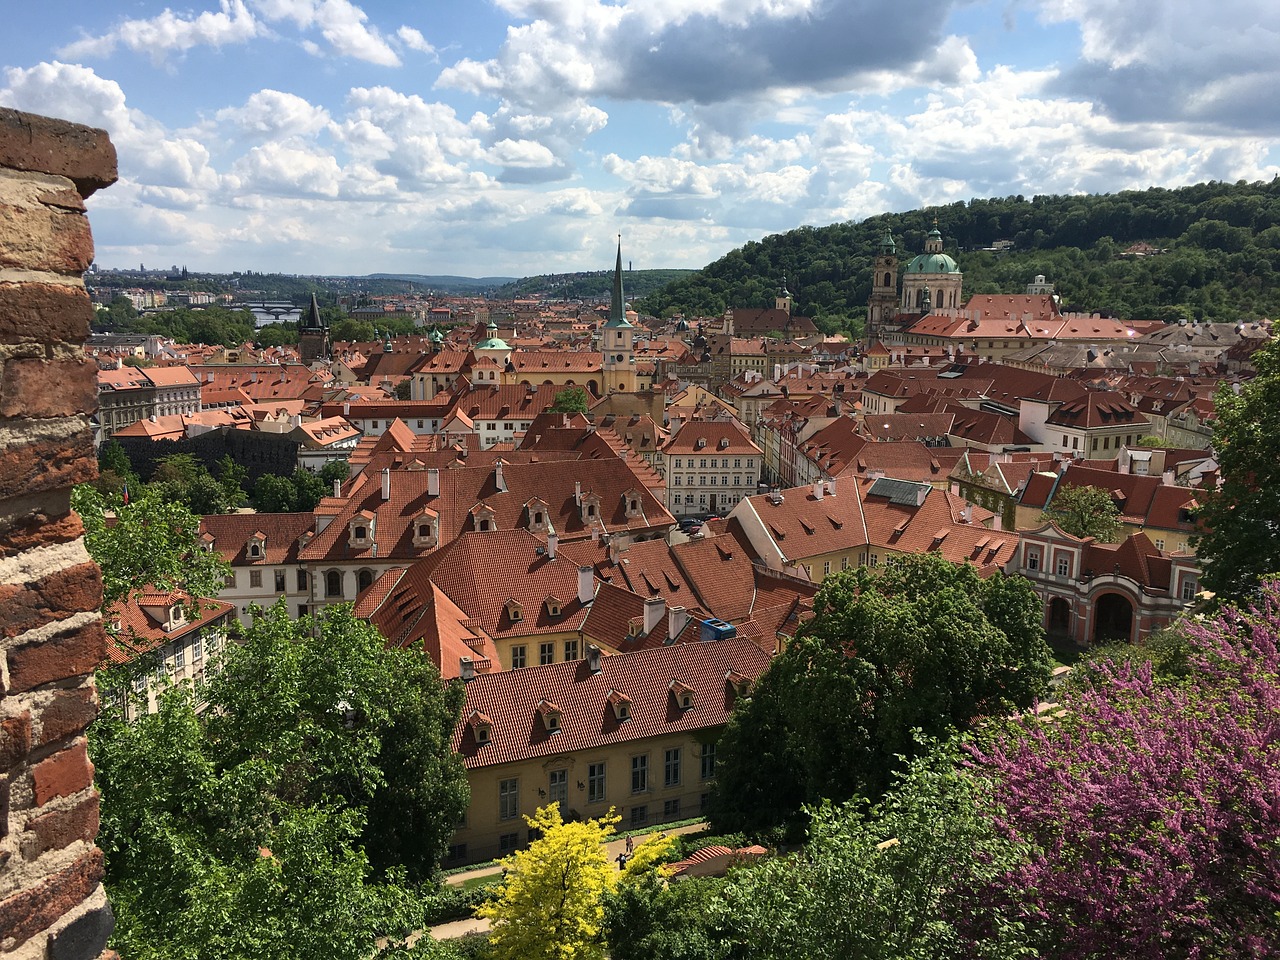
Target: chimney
[(337, 487), (499, 480), (654, 608), (997, 522), (593, 658), (1166, 478), (346, 409), (553, 541), (817, 489), (831, 488), (386, 483), (586, 585), (433, 482), (577, 492), (466, 669), (677, 620)]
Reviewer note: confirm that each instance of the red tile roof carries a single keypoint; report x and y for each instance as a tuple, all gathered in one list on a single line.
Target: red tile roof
[(587, 721)]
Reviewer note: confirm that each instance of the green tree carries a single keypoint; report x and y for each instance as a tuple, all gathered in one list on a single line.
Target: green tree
[(182, 478), (570, 400), (1239, 543), (311, 489), (352, 331), (275, 494), (882, 882), (550, 905), (241, 831), (154, 541), (232, 477), (403, 389), (920, 643), (1085, 512)]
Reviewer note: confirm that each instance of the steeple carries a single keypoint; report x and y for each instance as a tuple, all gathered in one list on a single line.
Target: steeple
[(618, 303), (312, 321)]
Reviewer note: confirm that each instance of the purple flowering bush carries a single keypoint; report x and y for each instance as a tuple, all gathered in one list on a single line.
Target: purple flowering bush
[(1150, 811)]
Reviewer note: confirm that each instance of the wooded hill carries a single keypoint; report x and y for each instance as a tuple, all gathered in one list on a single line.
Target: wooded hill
[(594, 285), (1220, 259)]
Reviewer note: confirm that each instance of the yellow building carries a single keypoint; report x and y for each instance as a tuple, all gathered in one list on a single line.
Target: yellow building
[(635, 733)]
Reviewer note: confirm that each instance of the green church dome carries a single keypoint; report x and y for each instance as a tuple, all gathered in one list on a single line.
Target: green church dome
[(932, 263)]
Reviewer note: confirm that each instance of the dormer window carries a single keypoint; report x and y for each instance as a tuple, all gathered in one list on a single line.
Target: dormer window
[(484, 518), (554, 605), (550, 714), (631, 503), (739, 683), (538, 513), (361, 528), (481, 727), (256, 547), (515, 612), (424, 530), (683, 694), (589, 508), (620, 703)]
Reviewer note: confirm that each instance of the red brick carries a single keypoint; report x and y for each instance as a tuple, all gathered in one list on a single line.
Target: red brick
[(47, 465), (41, 529), (61, 828), (15, 740), (66, 772), (82, 154), (57, 596), (72, 654), (37, 388), (37, 908), (44, 238), (44, 311), (66, 715)]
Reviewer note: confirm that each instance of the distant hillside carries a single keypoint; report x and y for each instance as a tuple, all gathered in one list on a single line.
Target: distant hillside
[(447, 283), (590, 286), (1221, 258)]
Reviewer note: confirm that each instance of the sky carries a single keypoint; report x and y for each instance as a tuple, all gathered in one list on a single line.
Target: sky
[(521, 137)]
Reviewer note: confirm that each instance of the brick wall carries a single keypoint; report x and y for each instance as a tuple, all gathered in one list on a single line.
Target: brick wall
[(52, 904)]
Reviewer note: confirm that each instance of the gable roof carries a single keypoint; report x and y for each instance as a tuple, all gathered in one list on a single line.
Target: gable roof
[(587, 722)]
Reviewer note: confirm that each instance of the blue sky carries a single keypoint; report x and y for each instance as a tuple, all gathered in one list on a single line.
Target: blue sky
[(515, 137)]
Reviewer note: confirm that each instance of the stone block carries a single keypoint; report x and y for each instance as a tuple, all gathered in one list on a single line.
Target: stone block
[(55, 597), (84, 155), (39, 907), (61, 828), (47, 312), (65, 773), (73, 653), (38, 388)]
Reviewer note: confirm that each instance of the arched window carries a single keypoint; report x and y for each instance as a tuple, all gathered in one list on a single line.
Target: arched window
[(333, 583), (888, 280), (364, 579)]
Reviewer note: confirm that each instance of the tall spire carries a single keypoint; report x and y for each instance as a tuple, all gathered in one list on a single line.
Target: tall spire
[(618, 305)]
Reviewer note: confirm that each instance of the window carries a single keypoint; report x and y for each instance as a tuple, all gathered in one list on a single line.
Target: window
[(678, 463), (639, 815), (826, 567), (571, 650), (333, 583), (303, 609), (180, 658), (844, 563), (1064, 566), (360, 533), (255, 578), (508, 842), (671, 809), (518, 656), (457, 851), (1033, 559), (279, 578), (737, 463), (595, 783), (230, 580), (1075, 443), (197, 651), (546, 653), (1159, 543), (671, 767), (302, 579), (509, 799), (702, 463), (640, 773), (708, 761), (1064, 439)]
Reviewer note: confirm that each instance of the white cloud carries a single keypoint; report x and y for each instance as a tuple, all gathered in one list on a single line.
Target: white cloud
[(414, 40), (290, 171), (521, 153), (340, 22), (169, 33), (273, 114)]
